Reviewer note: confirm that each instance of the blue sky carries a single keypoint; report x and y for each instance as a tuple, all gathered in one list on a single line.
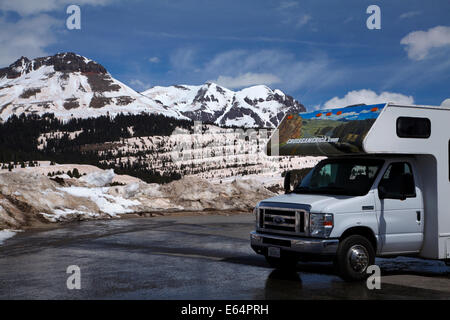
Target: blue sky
[(318, 51)]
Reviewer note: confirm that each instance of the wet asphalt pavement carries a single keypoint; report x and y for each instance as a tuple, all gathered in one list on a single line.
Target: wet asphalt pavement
[(192, 257)]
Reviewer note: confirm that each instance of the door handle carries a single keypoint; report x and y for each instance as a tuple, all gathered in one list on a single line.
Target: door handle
[(418, 216)]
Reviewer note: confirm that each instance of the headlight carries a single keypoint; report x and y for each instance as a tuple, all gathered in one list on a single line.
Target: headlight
[(320, 224), (257, 218)]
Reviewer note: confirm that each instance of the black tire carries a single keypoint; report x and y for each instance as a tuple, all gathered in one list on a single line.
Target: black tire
[(355, 253), (286, 263)]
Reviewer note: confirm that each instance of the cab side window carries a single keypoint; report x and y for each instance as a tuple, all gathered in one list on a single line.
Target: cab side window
[(399, 179)]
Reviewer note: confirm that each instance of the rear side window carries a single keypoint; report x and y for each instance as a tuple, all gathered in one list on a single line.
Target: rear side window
[(409, 127)]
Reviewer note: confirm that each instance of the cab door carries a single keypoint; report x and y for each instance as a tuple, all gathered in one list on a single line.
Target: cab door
[(399, 209)]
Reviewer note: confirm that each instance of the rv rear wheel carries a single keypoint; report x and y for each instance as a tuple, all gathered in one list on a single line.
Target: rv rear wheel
[(285, 263), (355, 253)]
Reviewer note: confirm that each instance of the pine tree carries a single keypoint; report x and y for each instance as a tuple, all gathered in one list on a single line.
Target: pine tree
[(75, 173)]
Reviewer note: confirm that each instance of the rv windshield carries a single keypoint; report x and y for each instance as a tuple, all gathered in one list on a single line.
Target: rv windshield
[(353, 176)]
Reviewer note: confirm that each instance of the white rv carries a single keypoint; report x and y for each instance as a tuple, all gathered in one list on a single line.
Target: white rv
[(383, 190)]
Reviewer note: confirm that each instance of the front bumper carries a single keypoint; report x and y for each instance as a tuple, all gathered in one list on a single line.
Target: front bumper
[(293, 245)]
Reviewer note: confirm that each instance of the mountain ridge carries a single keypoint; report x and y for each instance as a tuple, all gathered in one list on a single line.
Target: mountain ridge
[(72, 86), (256, 106)]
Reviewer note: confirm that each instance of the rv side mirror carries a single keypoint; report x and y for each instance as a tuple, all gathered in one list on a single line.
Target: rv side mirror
[(287, 182)]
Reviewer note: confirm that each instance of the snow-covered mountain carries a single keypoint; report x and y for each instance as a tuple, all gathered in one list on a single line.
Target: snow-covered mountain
[(69, 85), (257, 106)]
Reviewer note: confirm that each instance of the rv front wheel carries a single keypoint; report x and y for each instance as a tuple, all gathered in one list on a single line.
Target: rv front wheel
[(355, 253)]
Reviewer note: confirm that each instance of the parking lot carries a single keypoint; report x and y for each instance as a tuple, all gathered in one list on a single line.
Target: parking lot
[(186, 257)]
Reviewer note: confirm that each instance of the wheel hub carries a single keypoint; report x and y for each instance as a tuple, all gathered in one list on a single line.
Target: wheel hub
[(358, 258)]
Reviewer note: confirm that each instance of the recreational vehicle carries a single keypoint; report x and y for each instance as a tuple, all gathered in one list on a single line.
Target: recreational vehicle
[(382, 190)]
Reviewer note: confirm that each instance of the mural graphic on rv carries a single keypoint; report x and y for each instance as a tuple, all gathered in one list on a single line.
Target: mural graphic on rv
[(325, 132)]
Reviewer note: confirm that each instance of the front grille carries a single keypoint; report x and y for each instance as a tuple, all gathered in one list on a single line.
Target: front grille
[(282, 220)]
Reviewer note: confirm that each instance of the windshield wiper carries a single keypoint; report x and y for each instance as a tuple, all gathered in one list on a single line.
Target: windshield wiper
[(331, 188), (299, 189)]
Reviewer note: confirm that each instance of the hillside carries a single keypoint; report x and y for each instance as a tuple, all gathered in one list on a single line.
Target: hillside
[(153, 148)]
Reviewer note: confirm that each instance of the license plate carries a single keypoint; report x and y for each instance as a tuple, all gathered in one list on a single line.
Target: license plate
[(274, 252)]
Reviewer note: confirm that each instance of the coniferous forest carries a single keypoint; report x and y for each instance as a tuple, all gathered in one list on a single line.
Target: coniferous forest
[(20, 135)]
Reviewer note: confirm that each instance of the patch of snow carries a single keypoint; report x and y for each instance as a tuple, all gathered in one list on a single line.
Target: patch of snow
[(131, 190), (99, 178), (255, 92), (111, 205), (63, 214), (6, 234), (63, 176)]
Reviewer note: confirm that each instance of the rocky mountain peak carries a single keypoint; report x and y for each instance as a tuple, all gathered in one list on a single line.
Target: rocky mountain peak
[(64, 62), (69, 86)]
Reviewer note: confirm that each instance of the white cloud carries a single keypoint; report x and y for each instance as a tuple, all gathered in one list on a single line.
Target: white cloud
[(27, 8), (368, 97), (291, 14), (139, 85), (419, 43), (288, 5), (272, 66), (246, 80), (31, 34), (446, 103), (304, 19), (184, 59), (26, 37), (154, 60), (409, 14), (349, 19)]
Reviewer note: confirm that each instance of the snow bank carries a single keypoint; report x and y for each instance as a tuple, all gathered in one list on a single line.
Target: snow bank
[(46, 168), (28, 199), (195, 194)]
